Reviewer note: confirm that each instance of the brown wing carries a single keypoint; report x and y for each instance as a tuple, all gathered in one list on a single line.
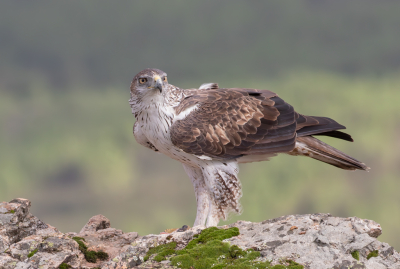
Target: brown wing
[(229, 123)]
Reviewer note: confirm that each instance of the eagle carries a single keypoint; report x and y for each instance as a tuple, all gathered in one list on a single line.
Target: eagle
[(210, 130)]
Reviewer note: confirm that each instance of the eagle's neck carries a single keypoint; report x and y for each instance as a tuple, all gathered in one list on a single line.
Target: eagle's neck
[(156, 113), (148, 102), (155, 121)]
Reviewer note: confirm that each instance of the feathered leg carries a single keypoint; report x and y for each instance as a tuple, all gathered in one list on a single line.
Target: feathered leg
[(200, 189), (224, 189)]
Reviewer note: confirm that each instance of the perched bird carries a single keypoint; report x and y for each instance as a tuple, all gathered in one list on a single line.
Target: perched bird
[(210, 130)]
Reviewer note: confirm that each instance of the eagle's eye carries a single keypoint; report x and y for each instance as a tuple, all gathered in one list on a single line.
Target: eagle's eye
[(165, 78), (142, 80)]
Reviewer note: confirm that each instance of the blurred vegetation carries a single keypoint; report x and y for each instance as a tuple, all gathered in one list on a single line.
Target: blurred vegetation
[(66, 138), (107, 42)]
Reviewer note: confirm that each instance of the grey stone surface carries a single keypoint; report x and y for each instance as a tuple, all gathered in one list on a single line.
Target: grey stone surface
[(98, 222), (16, 222), (316, 241)]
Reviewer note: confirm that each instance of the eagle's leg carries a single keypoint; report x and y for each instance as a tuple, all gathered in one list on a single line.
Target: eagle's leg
[(201, 191), (224, 189), (213, 215)]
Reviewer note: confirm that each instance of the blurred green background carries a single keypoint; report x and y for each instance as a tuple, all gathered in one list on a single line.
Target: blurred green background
[(66, 138)]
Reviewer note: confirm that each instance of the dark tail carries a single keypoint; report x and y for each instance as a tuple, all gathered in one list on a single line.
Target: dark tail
[(316, 149)]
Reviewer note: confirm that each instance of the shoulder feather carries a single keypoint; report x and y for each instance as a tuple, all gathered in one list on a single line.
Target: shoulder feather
[(210, 85)]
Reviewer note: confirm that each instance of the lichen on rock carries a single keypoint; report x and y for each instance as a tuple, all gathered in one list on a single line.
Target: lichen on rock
[(90, 256), (207, 250), (311, 241)]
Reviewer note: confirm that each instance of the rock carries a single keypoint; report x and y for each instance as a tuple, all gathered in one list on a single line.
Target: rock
[(320, 241), (314, 241), (98, 222), (17, 223)]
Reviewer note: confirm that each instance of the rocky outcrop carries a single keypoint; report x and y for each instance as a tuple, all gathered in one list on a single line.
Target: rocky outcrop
[(309, 241)]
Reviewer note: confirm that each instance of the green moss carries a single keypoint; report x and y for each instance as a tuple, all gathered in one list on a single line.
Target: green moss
[(216, 254), (82, 246), (90, 256), (11, 211), (32, 253), (213, 233), (101, 255), (64, 266), (374, 253), (356, 255), (78, 238), (293, 265), (207, 250), (162, 250)]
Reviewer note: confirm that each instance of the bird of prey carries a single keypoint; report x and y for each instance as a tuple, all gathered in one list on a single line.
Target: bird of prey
[(210, 130)]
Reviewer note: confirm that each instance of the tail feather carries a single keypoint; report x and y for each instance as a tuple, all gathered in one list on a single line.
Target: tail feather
[(316, 149)]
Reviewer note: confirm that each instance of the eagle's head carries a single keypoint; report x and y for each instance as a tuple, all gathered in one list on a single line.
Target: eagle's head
[(148, 83)]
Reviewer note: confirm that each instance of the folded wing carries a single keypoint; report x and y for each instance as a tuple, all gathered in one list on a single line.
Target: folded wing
[(230, 123)]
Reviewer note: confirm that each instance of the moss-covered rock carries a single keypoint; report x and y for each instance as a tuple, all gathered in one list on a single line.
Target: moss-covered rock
[(32, 253), (207, 250), (82, 246), (90, 256), (314, 242), (212, 233), (374, 253), (64, 266), (162, 251), (356, 255)]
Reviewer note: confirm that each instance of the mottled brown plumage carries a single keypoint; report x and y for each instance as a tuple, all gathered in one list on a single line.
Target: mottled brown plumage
[(210, 130), (244, 122)]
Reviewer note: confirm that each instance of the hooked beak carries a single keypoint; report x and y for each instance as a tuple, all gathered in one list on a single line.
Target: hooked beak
[(158, 83)]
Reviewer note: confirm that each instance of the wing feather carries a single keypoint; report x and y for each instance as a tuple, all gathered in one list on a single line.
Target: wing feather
[(231, 122), (310, 125)]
